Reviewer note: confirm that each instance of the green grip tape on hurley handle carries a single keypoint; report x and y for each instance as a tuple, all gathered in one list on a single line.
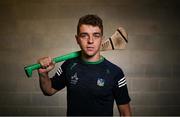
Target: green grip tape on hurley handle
[(28, 69)]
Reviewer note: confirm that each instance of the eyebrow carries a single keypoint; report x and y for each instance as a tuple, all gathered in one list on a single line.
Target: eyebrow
[(87, 33), (83, 33), (97, 33)]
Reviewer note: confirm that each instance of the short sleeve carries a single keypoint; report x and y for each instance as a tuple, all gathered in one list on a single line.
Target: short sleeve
[(58, 80), (120, 89)]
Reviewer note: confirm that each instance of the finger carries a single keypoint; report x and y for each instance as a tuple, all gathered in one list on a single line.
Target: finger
[(49, 58), (44, 67), (51, 61), (49, 68), (47, 61), (42, 70), (42, 64)]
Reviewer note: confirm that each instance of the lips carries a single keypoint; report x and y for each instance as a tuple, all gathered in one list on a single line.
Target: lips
[(90, 48)]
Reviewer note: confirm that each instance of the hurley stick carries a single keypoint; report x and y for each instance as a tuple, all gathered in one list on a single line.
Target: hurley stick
[(117, 41)]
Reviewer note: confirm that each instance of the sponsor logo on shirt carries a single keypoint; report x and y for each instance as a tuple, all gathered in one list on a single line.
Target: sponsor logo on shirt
[(100, 82)]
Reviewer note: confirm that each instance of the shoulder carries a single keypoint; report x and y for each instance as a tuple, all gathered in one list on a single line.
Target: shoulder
[(70, 62), (112, 66), (114, 69)]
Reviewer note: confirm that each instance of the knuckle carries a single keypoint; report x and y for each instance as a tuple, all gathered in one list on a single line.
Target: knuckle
[(46, 63)]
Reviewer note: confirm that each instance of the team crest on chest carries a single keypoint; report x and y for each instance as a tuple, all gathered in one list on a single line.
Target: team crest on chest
[(74, 79), (100, 82)]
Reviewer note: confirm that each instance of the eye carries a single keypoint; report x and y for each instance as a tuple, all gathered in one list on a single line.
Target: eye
[(97, 35), (83, 35)]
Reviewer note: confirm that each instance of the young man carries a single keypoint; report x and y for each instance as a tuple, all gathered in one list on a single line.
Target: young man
[(93, 83)]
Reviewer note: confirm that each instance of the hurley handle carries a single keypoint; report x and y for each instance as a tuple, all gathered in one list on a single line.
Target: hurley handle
[(28, 69)]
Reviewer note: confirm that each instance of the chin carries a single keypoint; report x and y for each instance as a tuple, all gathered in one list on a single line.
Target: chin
[(90, 54)]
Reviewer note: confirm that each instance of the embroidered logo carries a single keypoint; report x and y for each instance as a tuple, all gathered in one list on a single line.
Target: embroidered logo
[(100, 82), (73, 65), (107, 71), (74, 79)]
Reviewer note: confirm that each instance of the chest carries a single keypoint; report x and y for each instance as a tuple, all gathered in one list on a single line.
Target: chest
[(90, 81)]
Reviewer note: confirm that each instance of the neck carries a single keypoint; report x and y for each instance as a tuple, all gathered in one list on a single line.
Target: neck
[(91, 58)]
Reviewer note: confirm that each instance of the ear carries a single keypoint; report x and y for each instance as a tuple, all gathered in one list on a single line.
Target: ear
[(77, 39)]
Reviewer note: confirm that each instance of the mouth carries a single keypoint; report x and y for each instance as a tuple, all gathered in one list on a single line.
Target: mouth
[(90, 48)]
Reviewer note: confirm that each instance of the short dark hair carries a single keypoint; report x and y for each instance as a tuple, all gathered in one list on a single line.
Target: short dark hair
[(90, 19)]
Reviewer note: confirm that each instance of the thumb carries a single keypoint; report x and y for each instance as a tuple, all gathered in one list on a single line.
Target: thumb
[(50, 67), (42, 70)]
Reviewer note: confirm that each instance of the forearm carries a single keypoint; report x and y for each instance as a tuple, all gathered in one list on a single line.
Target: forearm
[(45, 84), (124, 110), (125, 113)]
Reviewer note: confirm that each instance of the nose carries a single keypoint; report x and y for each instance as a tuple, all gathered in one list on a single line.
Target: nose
[(91, 39)]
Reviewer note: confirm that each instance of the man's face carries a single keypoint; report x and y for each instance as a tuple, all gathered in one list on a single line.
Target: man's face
[(89, 39)]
